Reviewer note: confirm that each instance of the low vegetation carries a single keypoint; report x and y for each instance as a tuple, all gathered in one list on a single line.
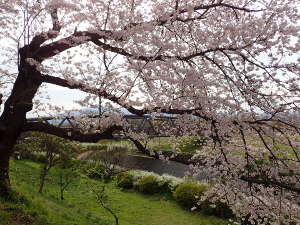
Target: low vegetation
[(80, 205), (188, 194)]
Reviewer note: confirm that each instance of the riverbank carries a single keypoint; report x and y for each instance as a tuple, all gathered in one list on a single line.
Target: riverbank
[(80, 206)]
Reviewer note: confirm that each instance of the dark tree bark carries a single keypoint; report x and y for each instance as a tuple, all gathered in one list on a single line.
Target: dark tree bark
[(13, 117), (43, 176), (14, 113), (74, 135), (4, 175)]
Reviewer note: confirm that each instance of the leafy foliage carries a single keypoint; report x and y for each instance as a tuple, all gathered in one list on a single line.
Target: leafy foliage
[(125, 180), (166, 183), (148, 185), (33, 146), (188, 194), (67, 174), (92, 169)]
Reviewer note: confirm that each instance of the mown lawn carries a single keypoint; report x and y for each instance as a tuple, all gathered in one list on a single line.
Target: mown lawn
[(80, 206)]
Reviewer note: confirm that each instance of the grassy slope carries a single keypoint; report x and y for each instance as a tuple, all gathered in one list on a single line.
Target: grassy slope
[(81, 208)]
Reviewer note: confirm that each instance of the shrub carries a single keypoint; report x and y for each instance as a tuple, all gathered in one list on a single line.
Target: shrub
[(112, 159), (125, 180), (169, 183), (92, 170), (166, 183), (35, 145), (187, 194), (218, 208), (148, 185), (24, 151)]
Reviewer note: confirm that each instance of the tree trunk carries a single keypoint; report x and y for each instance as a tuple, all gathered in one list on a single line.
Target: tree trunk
[(7, 140), (4, 175), (42, 183), (112, 213), (43, 175), (14, 113)]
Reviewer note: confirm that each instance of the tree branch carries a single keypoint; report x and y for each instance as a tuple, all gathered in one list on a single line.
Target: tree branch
[(125, 53), (38, 40), (177, 11), (78, 38), (74, 135), (64, 83), (170, 155), (272, 183)]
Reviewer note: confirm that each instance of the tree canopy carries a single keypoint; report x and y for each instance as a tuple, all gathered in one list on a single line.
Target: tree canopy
[(229, 71)]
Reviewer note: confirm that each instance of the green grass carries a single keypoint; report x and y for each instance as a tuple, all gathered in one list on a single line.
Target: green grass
[(160, 143), (81, 208), (184, 143)]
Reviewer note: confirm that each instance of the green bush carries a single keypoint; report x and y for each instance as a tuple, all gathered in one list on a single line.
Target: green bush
[(218, 208), (125, 180), (188, 194), (33, 146), (22, 151), (148, 185), (92, 170)]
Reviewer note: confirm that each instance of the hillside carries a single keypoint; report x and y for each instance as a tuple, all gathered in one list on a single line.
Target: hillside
[(80, 206)]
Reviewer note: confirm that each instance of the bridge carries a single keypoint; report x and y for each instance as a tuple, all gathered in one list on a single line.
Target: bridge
[(158, 126)]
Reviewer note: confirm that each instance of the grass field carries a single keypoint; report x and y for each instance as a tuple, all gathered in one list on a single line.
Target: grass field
[(81, 208), (185, 144)]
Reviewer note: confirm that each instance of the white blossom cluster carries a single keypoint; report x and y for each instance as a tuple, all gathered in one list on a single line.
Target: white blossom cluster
[(171, 181)]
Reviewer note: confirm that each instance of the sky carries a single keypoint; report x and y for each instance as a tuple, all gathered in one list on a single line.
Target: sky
[(64, 96), (61, 97)]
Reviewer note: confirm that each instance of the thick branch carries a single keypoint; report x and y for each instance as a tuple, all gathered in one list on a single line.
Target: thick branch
[(38, 40), (78, 38), (64, 83), (221, 4), (275, 183), (145, 58), (174, 16), (74, 135)]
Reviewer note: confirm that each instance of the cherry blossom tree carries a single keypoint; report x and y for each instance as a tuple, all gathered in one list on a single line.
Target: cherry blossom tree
[(229, 71)]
